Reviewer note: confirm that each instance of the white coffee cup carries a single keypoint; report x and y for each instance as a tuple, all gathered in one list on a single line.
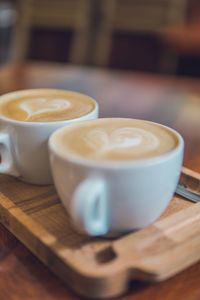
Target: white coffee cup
[(106, 196), (23, 144)]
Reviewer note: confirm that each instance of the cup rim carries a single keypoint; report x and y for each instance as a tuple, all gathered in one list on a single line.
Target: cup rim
[(31, 123), (115, 164)]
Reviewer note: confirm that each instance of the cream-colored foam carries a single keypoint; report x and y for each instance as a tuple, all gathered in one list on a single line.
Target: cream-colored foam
[(125, 139), (38, 106), (115, 139), (45, 105)]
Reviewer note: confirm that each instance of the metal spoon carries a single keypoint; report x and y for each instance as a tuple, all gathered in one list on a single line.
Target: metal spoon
[(183, 191)]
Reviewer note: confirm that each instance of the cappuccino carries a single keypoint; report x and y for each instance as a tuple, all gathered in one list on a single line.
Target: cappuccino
[(27, 119), (45, 105), (115, 139), (115, 175)]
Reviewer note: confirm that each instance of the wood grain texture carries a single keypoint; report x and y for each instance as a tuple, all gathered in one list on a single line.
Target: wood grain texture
[(100, 267)]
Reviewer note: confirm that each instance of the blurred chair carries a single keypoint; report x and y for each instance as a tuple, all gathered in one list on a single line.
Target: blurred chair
[(147, 17), (71, 15), (183, 40)]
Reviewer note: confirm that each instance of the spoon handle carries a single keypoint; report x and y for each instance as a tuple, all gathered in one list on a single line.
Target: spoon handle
[(183, 191)]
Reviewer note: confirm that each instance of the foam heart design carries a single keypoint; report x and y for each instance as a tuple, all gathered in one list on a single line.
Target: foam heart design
[(122, 138), (34, 107), (125, 137)]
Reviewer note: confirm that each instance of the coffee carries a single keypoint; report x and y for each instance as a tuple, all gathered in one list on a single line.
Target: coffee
[(115, 139), (45, 105), (115, 175)]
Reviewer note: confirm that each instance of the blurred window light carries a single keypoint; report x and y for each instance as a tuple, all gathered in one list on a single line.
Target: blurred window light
[(8, 16)]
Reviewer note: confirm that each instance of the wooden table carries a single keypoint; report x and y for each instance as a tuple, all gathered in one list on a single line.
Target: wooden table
[(169, 100)]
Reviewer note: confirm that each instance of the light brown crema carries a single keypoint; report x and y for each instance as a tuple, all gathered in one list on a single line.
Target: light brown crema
[(45, 105), (115, 139)]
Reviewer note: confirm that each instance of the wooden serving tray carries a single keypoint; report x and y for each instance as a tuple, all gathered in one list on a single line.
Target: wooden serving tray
[(99, 267)]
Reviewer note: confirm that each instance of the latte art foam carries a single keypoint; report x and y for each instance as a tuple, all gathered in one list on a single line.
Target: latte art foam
[(125, 139), (45, 105), (115, 139), (38, 106)]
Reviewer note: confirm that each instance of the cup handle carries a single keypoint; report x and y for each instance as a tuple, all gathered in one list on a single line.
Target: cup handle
[(6, 161), (89, 207)]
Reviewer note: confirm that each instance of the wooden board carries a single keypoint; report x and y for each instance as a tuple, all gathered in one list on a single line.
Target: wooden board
[(99, 267)]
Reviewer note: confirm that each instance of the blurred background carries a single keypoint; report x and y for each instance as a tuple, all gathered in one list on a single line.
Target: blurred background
[(160, 36)]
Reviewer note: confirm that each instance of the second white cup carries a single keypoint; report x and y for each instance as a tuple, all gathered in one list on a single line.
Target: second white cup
[(115, 175), (27, 119)]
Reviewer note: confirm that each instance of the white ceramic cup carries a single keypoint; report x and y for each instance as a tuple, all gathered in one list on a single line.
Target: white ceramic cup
[(106, 198), (24, 145)]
